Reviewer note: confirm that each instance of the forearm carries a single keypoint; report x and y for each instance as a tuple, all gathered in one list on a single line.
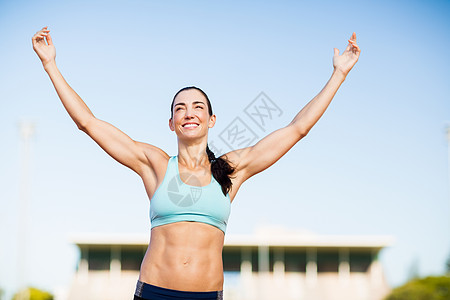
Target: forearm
[(77, 109), (311, 113)]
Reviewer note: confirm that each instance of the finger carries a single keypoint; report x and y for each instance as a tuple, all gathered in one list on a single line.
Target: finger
[(49, 39), (43, 31), (349, 46), (36, 41), (336, 52), (353, 37), (355, 49), (354, 44), (40, 37), (40, 33), (351, 43), (36, 38)]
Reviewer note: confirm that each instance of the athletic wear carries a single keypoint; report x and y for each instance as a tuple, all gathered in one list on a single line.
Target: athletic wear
[(175, 201), (145, 291)]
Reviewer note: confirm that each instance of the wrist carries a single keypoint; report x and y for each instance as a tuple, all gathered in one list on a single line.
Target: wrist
[(49, 65), (339, 74)]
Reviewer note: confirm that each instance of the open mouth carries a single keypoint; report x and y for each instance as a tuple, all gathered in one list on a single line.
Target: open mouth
[(190, 125)]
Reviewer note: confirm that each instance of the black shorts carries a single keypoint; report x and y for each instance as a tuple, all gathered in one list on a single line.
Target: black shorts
[(145, 291)]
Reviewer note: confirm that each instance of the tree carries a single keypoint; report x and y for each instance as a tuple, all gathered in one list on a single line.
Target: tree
[(413, 272), (429, 288), (448, 265), (32, 294)]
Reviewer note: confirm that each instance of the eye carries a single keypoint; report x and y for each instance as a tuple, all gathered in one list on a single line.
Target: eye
[(199, 106)]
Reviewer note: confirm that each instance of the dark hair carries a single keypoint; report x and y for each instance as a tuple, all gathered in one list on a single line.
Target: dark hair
[(220, 167)]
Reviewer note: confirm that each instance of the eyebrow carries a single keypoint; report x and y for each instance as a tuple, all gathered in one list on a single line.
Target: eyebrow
[(195, 102)]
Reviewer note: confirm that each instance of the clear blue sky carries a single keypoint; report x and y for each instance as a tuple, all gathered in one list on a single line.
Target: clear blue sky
[(376, 163)]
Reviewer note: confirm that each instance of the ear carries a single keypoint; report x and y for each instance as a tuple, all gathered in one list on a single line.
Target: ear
[(212, 121), (171, 125)]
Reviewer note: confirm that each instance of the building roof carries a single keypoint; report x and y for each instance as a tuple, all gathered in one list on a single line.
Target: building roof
[(264, 235)]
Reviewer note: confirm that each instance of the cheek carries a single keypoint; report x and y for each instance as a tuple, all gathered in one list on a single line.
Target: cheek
[(176, 116), (205, 115), (178, 120)]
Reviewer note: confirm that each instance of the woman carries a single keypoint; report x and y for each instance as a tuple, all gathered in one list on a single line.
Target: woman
[(190, 193)]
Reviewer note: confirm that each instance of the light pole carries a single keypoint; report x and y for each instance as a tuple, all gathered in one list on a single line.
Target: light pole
[(27, 130), (448, 142), (448, 160)]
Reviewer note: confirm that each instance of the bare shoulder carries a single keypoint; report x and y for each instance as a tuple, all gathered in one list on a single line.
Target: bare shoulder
[(155, 158), (237, 158), (154, 169)]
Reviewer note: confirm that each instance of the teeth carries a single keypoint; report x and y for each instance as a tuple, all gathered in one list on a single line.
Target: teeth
[(190, 125)]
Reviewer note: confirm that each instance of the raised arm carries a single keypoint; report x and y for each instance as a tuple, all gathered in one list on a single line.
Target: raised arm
[(116, 143), (252, 160)]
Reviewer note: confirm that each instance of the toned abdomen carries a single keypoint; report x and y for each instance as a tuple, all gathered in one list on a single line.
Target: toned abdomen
[(184, 256)]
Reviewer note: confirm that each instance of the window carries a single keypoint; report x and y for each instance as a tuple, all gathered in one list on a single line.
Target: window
[(99, 259), (255, 261), (327, 261), (231, 258), (132, 258), (360, 261), (294, 260)]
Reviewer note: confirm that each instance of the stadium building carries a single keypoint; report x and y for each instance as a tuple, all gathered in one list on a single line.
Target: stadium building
[(273, 263)]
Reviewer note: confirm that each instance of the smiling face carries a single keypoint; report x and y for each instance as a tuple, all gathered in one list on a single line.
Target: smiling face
[(191, 114)]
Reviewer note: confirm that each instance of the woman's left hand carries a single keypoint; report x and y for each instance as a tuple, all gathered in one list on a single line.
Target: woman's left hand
[(345, 62)]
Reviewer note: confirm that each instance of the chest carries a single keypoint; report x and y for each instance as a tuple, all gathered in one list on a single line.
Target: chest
[(198, 177)]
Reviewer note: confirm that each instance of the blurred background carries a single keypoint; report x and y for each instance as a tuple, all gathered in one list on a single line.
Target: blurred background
[(375, 164)]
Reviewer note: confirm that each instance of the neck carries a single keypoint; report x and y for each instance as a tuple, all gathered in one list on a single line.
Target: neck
[(193, 155)]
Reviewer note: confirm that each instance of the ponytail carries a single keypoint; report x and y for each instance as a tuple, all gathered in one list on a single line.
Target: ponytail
[(221, 170)]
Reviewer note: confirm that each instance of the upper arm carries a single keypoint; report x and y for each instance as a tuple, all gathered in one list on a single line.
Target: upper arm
[(252, 160), (120, 146)]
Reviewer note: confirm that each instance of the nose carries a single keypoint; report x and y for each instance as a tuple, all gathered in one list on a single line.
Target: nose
[(189, 113)]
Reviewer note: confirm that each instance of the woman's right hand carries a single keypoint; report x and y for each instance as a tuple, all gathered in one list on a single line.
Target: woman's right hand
[(45, 51)]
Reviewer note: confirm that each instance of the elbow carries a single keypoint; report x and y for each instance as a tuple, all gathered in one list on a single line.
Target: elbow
[(300, 129), (302, 135), (302, 132), (82, 128), (83, 125)]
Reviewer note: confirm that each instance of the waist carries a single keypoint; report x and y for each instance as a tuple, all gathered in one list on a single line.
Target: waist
[(184, 256), (149, 291)]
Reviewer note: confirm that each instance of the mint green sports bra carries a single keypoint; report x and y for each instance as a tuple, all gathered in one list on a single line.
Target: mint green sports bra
[(175, 201)]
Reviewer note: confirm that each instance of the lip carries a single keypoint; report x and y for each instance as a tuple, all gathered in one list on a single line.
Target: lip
[(189, 123)]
